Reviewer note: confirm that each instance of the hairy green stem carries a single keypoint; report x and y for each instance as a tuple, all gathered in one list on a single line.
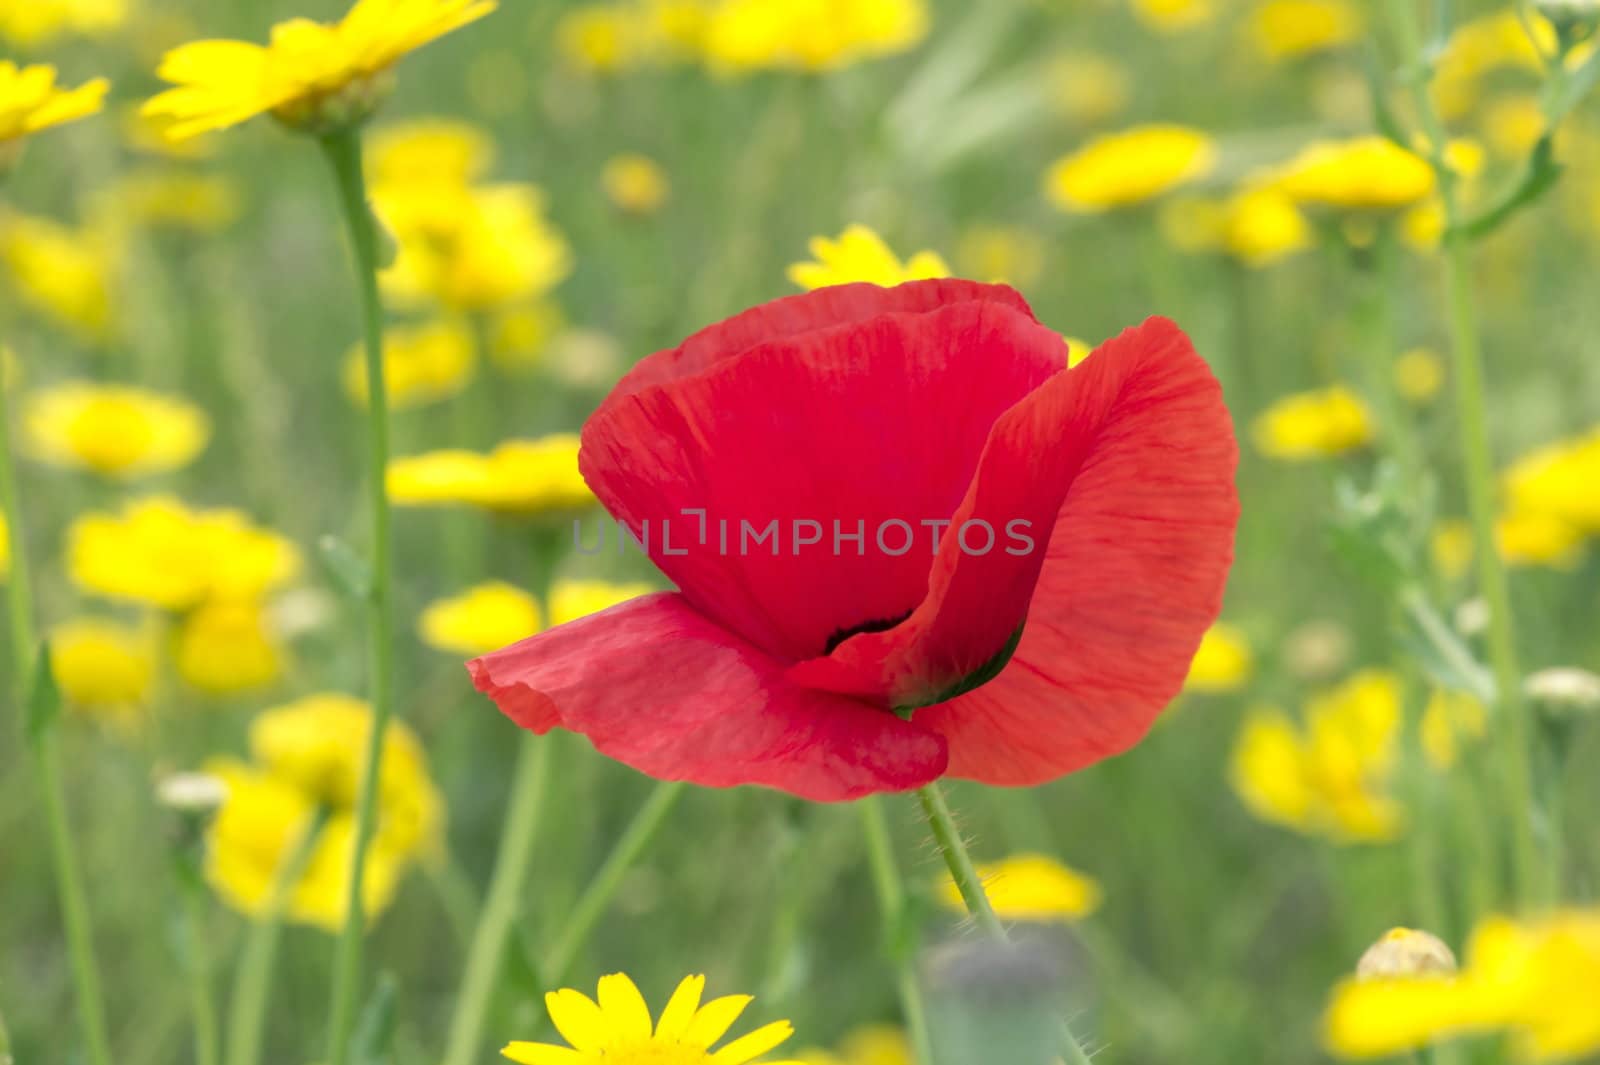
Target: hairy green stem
[(252, 981), (954, 851), (343, 150), (45, 749), (502, 903), (892, 907)]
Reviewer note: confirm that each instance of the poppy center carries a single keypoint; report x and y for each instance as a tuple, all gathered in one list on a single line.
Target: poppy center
[(879, 625)]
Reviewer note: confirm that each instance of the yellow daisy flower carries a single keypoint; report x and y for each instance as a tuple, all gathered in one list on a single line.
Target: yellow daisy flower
[(1290, 29), (103, 667), (434, 152), (1313, 425), (1535, 979), (810, 35), (169, 199), (520, 476), (113, 430), (1364, 174), (1223, 662), (227, 647), (33, 23), (159, 552), (1558, 480), (67, 274), (574, 599), (31, 101), (1030, 887), (484, 618), (1174, 16), (1128, 168), (312, 76), (859, 254), (617, 1030)]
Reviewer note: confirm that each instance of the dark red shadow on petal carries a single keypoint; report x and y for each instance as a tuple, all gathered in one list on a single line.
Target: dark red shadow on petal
[(657, 686), (1133, 576)]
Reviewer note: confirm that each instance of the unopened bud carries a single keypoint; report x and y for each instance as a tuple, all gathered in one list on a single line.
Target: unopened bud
[(191, 793), (1565, 689), (1406, 952)]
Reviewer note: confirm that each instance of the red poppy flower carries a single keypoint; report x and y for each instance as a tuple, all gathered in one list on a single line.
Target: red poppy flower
[(1070, 534)]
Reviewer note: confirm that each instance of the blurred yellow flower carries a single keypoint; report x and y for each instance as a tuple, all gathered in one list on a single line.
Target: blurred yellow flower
[(5, 549), (811, 35), (1537, 979), (618, 1031), (313, 76), (113, 430), (859, 254), (63, 273), (574, 599), (523, 476), (635, 183), (1449, 718), (1419, 374), (422, 364), (1130, 167), (877, 1044), (470, 250), (169, 199), (318, 743), (1559, 481), (440, 153), (1523, 538), (1258, 226), (104, 667), (1313, 425), (1329, 778), (31, 23), (1030, 887), (1172, 16), (1004, 254), (1223, 663), (261, 823), (484, 618), (1088, 89), (160, 552), (1289, 29), (606, 38), (1479, 48), (30, 101), (520, 336), (1363, 174), (1513, 124), (226, 647)]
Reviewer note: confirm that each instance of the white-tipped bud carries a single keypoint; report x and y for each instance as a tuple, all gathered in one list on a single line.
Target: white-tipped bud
[(1472, 617), (1406, 952), (191, 793), (1565, 689)]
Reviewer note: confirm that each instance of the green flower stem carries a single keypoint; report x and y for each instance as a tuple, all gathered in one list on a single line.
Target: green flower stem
[(892, 907), (954, 850), (343, 150), (197, 963), (252, 981), (597, 896), (5, 1043), (1516, 746), (45, 749), (503, 902)]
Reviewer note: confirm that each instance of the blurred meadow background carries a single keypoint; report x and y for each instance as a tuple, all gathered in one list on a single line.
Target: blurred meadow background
[(1336, 766)]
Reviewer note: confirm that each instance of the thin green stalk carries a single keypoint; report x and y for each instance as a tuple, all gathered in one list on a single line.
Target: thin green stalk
[(252, 982), (596, 898), (954, 850), (503, 902), (892, 908), (46, 751), (197, 962), (1516, 744), (5, 1043), (343, 150)]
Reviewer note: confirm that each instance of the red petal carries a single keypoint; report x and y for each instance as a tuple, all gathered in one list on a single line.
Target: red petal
[(656, 685), (808, 312), (881, 420), (1133, 576)]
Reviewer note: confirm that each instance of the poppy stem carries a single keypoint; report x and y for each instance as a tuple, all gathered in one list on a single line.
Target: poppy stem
[(1478, 465), (343, 150), (892, 906), (252, 981), (954, 850), (503, 902), (45, 747)]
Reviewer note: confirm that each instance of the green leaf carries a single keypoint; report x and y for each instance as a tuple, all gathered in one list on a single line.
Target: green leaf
[(1538, 178), (521, 967), (373, 1040), (351, 572), (1383, 116), (1578, 85), (44, 697)]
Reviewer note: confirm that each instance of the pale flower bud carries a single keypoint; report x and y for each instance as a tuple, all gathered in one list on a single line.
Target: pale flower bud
[(1406, 952), (1565, 689), (191, 792)]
